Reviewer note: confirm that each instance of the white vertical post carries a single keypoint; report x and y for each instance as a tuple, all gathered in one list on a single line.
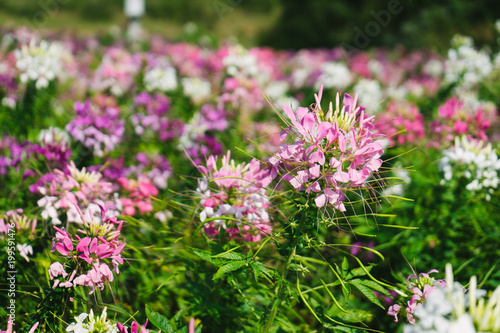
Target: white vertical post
[(134, 10)]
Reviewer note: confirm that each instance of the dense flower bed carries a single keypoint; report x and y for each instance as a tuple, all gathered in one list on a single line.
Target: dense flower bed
[(196, 188)]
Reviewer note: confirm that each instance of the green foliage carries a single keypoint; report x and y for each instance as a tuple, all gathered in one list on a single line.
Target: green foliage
[(323, 23)]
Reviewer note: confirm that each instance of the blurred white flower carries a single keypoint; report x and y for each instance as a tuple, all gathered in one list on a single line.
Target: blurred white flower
[(240, 62), (198, 89), (162, 79), (40, 63), (334, 75), (473, 160), (369, 95)]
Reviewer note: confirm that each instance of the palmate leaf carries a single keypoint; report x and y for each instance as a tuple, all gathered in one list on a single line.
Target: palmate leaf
[(229, 267), (367, 292)]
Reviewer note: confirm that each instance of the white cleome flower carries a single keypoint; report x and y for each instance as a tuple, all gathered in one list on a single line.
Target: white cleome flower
[(40, 63), (162, 79), (473, 160), (334, 75), (370, 95), (198, 89)]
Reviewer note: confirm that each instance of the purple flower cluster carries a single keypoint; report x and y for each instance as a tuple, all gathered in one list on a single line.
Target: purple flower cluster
[(156, 107), (11, 154), (154, 167), (97, 129), (197, 139)]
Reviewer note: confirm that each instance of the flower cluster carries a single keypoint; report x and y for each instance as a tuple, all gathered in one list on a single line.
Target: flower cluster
[(54, 146), (199, 90), (8, 82), (97, 129), (239, 61), (238, 204), (450, 309), (334, 75), (139, 197), (135, 328), (12, 153), (465, 66), (160, 79), (89, 323), (116, 72), (16, 219), (401, 123), (370, 94), (88, 256), (473, 160), (155, 167), (330, 153), (241, 93), (196, 138), (156, 106), (40, 63), (420, 287), (60, 189), (456, 119)]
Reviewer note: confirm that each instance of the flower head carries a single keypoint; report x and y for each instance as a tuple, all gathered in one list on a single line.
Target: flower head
[(238, 202), (89, 323), (330, 152), (89, 256)]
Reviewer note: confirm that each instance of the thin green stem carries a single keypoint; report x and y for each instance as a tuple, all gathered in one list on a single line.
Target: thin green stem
[(279, 295)]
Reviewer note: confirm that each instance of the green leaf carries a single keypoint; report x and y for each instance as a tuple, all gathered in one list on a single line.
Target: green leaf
[(345, 268), (230, 256), (355, 316), (256, 270), (346, 290), (358, 272), (260, 269), (159, 321), (374, 286), (207, 256), (249, 255), (229, 267), (367, 292)]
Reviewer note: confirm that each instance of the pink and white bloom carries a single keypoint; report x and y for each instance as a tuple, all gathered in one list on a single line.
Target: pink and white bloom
[(329, 153), (238, 202)]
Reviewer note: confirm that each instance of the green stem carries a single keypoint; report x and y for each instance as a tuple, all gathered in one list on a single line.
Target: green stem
[(279, 295)]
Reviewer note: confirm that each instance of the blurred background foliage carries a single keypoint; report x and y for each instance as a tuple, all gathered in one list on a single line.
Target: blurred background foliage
[(283, 24)]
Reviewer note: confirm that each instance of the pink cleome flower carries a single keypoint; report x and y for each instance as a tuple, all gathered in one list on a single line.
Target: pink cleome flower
[(402, 123), (239, 199), (329, 154), (456, 119), (88, 256), (419, 288), (139, 197)]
